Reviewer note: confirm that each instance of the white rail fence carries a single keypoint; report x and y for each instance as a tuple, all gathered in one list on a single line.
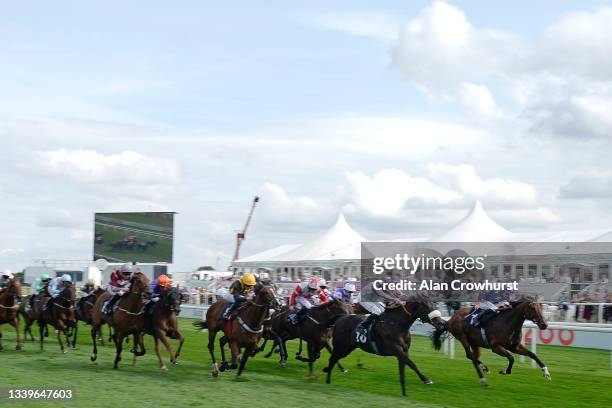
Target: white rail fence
[(580, 335)]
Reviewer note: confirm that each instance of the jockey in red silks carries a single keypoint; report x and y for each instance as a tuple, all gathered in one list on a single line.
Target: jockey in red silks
[(119, 285), (305, 295)]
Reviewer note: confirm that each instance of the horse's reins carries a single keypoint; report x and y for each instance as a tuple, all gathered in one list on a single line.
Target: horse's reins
[(246, 326)]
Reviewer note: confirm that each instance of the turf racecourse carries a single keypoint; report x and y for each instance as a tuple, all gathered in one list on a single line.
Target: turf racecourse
[(581, 378)]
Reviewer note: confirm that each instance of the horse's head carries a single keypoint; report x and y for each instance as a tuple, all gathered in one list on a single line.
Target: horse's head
[(423, 308), (68, 294), (533, 311), (140, 285), (172, 300), (266, 295), (13, 287)]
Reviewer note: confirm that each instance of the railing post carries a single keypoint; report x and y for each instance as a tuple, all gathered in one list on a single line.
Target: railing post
[(534, 343), (523, 332)]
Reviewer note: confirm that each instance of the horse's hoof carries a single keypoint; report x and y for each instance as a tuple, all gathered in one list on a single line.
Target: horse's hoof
[(175, 362), (163, 368), (427, 382), (215, 373), (503, 372), (93, 357), (344, 370), (484, 382), (17, 348), (282, 364), (325, 369), (64, 351)]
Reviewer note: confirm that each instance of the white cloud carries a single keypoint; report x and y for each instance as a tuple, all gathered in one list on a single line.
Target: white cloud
[(593, 184), (277, 207), (365, 24), (440, 49), (59, 218), (389, 192), (561, 82), (529, 218), (89, 166)]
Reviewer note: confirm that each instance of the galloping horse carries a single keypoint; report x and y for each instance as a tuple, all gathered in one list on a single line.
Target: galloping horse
[(314, 328), (8, 309), (59, 313), (161, 321), (502, 335), (392, 335), (242, 331), (128, 318), (30, 316), (84, 310)]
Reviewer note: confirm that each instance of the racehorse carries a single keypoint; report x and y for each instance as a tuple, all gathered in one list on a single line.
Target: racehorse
[(30, 315), (58, 312), (391, 338), (242, 331), (314, 328), (84, 310), (161, 321), (502, 334), (126, 319), (8, 309)]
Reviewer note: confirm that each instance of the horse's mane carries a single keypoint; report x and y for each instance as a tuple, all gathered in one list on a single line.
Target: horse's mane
[(523, 299)]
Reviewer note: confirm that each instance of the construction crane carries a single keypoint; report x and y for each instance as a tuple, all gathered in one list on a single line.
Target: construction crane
[(241, 236)]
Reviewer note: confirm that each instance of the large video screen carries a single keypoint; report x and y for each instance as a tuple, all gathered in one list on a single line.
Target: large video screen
[(144, 237)]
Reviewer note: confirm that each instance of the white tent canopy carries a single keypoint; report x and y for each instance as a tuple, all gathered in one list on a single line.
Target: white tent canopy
[(339, 242), (477, 226), (342, 243)]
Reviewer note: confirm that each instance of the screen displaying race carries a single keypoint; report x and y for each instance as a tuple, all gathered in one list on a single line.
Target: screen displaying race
[(144, 237)]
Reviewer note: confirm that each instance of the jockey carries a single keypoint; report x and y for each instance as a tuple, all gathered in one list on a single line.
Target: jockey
[(40, 287), (162, 281), (238, 291), (490, 303), (4, 278), (323, 287), (119, 285), (385, 299), (57, 285), (304, 297), (345, 293), (89, 288)]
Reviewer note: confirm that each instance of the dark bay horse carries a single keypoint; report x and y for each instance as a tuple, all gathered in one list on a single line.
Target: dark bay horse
[(8, 309), (392, 338), (84, 310), (30, 315), (128, 318), (161, 323), (503, 335), (314, 328), (242, 332), (59, 314)]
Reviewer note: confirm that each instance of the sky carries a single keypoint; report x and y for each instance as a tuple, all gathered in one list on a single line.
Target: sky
[(400, 115)]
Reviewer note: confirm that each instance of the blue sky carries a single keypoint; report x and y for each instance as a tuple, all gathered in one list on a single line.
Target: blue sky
[(318, 106)]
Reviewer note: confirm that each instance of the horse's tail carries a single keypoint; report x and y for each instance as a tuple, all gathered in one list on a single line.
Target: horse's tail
[(438, 335), (202, 324)]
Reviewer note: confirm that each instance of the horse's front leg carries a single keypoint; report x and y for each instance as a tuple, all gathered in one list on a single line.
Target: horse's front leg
[(235, 347), (118, 337), (59, 331), (520, 349), (245, 356), (212, 333), (15, 324), (181, 340), (498, 349), (470, 356), (403, 357), (164, 339), (329, 349)]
